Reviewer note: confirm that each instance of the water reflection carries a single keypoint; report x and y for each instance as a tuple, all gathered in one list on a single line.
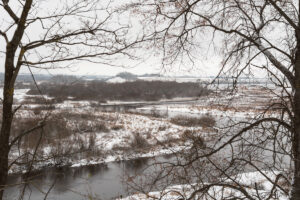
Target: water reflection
[(136, 164), (105, 181)]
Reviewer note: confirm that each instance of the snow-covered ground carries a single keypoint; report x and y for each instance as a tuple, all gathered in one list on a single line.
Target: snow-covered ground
[(19, 94), (249, 180), (248, 102), (115, 142)]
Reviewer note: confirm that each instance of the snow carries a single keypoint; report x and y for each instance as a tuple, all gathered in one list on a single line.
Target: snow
[(19, 94), (111, 143), (116, 80), (246, 179)]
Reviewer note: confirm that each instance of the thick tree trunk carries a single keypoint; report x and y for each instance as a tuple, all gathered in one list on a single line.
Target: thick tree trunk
[(4, 142), (7, 116), (295, 194), (296, 183), (9, 81)]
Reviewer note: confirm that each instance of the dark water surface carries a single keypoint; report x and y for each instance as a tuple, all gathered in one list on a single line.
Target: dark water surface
[(104, 181)]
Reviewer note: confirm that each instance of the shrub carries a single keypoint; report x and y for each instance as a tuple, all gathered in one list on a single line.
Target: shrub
[(37, 100), (116, 127), (197, 140), (127, 91), (55, 129), (92, 127), (101, 127), (204, 121), (37, 110), (92, 141), (162, 128), (139, 142), (207, 121)]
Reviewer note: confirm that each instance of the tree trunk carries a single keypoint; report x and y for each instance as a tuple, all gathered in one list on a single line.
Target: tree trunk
[(10, 74), (7, 115), (295, 193), (296, 183), (4, 142)]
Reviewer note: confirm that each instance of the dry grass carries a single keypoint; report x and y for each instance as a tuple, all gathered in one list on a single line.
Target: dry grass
[(55, 129)]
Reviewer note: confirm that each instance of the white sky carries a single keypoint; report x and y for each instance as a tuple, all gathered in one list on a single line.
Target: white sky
[(203, 67), (208, 64)]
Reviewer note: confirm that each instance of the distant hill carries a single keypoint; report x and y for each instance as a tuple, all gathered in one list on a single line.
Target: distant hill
[(127, 76)]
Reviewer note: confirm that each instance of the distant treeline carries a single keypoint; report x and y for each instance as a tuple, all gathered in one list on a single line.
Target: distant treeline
[(127, 91)]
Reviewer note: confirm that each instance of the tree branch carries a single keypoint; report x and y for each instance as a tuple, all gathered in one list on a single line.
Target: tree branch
[(282, 13), (41, 124), (10, 11)]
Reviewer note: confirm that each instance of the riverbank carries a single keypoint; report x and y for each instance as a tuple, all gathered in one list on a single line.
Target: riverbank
[(80, 133), (254, 183)]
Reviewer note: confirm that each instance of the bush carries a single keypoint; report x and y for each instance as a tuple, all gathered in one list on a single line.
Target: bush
[(127, 91), (55, 129), (197, 140), (139, 142), (205, 121), (101, 127), (38, 100), (92, 127), (38, 110), (116, 127)]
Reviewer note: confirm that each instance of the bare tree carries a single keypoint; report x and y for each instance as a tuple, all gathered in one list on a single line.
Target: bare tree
[(53, 34), (261, 35)]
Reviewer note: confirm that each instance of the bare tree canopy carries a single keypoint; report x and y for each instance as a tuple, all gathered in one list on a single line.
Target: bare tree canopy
[(250, 35), (54, 34)]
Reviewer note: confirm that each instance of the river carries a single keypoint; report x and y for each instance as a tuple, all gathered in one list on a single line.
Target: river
[(104, 181)]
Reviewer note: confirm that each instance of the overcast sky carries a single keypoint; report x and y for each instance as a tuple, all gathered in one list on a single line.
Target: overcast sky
[(206, 66), (202, 68), (206, 63)]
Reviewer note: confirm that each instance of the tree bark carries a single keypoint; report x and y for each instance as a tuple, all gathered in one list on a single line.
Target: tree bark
[(296, 181), (10, 74), (7, 115), (295, 193)]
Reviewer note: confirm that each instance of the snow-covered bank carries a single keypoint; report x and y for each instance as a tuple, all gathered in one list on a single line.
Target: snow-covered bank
[(249, 181), (105, 137)]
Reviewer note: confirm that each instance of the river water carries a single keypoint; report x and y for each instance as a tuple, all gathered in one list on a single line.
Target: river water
[(104, 181)]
